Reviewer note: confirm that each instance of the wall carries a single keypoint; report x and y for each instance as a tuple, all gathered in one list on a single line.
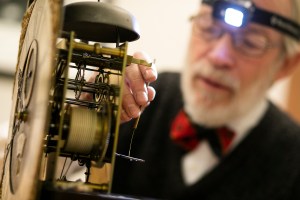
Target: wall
[(9, 40)]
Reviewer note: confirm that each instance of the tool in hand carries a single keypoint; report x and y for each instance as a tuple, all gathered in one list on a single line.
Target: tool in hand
[(136, 122)]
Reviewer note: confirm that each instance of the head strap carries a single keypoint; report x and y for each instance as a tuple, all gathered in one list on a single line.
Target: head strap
[(251, 13)]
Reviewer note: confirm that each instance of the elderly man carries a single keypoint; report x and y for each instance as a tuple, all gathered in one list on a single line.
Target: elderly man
[(211, 133)]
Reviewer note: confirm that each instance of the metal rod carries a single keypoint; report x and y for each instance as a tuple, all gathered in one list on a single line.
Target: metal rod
[(130, 158)]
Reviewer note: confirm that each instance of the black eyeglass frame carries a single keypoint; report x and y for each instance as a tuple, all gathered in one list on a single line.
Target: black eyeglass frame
[(254, 14)]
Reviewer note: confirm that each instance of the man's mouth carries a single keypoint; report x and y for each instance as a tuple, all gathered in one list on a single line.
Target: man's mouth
[(211, 84)]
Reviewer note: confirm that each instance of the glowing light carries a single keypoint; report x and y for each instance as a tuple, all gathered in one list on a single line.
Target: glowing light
[(234, 17)]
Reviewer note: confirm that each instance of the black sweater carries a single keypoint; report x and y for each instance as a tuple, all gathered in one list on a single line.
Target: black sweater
[(265, 165)]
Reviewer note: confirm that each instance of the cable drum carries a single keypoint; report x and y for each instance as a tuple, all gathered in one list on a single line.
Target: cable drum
[(83, 131)]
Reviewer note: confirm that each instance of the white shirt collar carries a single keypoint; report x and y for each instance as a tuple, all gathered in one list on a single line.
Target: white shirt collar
[(198, 162)]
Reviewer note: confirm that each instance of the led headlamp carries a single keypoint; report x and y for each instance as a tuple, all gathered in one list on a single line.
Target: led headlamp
[(239, 13)]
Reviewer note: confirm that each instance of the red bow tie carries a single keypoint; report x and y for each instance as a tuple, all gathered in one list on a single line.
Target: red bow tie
[(188, 135)]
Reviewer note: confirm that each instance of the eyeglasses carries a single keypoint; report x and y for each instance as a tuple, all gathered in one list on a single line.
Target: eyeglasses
[(250, 42)]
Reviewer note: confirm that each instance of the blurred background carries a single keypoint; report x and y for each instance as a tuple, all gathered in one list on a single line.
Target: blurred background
[(11, 13), (164, 29)]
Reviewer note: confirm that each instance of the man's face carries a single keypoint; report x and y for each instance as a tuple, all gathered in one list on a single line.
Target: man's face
[(220, 82)]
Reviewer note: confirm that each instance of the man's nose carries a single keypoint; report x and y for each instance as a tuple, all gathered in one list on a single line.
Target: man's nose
[(221, 52)]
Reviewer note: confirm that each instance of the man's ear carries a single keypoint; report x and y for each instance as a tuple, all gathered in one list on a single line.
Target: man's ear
[(289, 65)]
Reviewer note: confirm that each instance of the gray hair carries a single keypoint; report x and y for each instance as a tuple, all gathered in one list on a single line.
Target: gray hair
[(291, 45)]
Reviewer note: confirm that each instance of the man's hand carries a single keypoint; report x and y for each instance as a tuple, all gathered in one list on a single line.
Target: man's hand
[(137, 94)]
